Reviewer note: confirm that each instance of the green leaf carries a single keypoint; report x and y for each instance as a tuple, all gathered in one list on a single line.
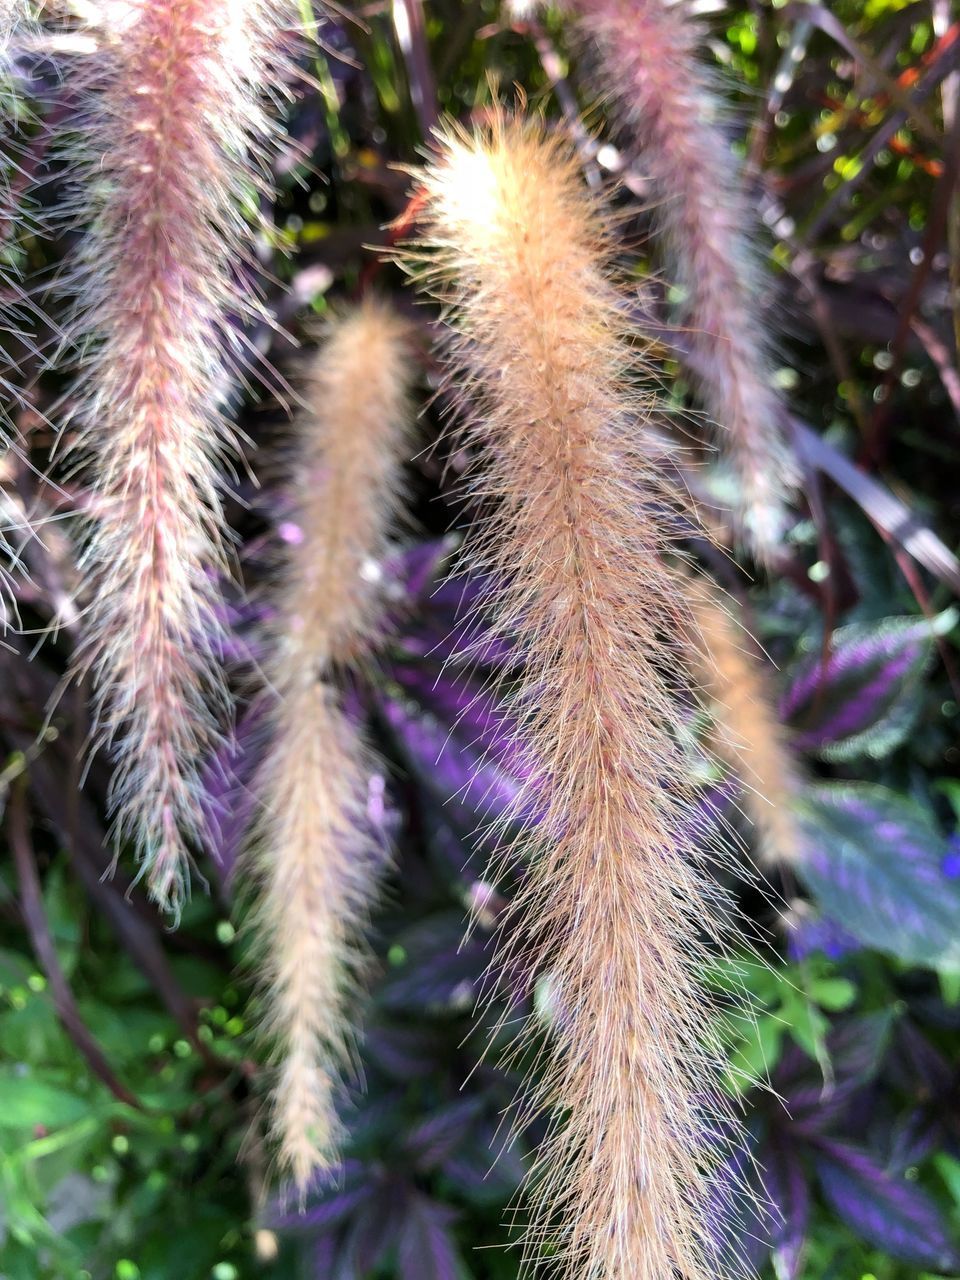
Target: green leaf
[(28, 1102), (835, 994)]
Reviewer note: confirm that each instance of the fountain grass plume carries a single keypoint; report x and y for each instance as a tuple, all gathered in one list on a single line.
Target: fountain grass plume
[(748, 736), (167, 152), (613, 908), (316, 858), (653, 80)]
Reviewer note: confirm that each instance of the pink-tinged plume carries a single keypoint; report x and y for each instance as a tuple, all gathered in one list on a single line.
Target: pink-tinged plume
[(652, 77), (172, 127)]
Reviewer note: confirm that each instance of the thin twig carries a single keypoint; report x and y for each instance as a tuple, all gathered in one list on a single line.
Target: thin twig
[(41, 939)]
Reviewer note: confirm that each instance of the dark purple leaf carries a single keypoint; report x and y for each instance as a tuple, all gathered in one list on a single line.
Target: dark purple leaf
[(785, 1181), (465, 704), (403, 1052), (875, 862), (328, 1206), (896, 1216), (863, 700), (447, 608), (461, 771), (373, 1231), (437, 970), (418, 568), (427, 1250), (855, 1050), (372, 1123), (323, 1257), (437, 1137), (246, 630), (912, 1138), (227, 800), (810, 933), (916, 1066), (856, 1046), (455, 853), (932, 1011), (741, 1218), (489, 1168)]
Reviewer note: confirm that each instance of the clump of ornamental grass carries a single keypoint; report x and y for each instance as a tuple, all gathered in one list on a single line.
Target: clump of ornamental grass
[(166, 155), (317, 859), (748, 736), (613, 908), (646, 54)]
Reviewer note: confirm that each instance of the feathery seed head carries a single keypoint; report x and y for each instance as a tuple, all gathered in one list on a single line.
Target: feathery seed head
[(749, 736), (318, 861), (650, 72), (172, 125), (613, 907)]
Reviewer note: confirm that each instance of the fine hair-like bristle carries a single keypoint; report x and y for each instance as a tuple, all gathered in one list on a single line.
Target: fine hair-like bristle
[(612, 908), (15, 16), (653, 79), (166, 152), (748, 736), (318, 862), (12, 13)]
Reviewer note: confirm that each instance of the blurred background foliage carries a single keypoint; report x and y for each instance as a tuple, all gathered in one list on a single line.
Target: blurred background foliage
[(129, 1138)]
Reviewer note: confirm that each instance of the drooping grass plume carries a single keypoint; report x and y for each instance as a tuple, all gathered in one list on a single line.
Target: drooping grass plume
[(318, 861), (613, 907), (748, 735), (12, 14), (650, 73), (172, 131)]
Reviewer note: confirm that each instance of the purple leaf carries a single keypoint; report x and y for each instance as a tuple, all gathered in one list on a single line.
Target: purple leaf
[(489, 1168), (863, 700), (855, 1049), (332, 1207), (438, 971), (786, 1185), (227, 800), (427, 1250), (896, 1216), (453, 853), (917, 1067), (874, 860), (458, 763), (856, 1046), (372, 1121), (436, 1138), (323, 1256), (403, 1052), (810, 933), (741, 1219), (914, 1136), (449, 606), (418, 567), (373, 1231)]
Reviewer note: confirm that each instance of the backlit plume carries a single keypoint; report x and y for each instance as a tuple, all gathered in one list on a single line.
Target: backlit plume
[(748, 736), (613, 907)]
